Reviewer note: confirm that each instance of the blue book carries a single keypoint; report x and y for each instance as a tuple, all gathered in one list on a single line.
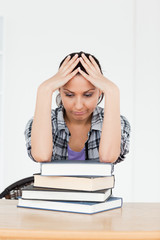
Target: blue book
[(75, 207), (76, 168)]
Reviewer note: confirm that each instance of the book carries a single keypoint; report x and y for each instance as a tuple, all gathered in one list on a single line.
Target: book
[(74, 183), (76, 207), (76, 168), (31, 192)]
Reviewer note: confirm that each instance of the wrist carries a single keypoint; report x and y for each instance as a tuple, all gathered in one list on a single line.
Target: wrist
[(45, 89), (112, 90)]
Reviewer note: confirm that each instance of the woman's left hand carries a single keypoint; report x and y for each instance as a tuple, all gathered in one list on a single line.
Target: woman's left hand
[(94, 75)]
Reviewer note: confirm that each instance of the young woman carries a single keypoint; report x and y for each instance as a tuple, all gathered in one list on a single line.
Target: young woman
[(78, 129)]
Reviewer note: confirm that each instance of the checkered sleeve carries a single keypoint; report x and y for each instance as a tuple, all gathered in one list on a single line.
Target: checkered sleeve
[(125, 139), (27, 134)]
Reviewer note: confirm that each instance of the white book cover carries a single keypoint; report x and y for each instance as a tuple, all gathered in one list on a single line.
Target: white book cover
[(76, 168)]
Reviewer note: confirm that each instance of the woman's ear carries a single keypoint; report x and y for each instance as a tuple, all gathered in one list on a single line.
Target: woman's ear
[(100, 92)]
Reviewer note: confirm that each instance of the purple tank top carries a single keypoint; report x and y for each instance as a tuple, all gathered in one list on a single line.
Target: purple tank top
[(72, 155)]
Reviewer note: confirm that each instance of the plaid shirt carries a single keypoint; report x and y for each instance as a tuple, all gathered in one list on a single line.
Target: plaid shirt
[(61, 136)]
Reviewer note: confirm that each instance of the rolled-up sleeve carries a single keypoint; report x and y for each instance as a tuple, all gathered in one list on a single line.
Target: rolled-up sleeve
[(125, 139), (27, 134)]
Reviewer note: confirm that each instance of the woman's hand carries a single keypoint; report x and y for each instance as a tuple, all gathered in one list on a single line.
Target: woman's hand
[(63, 75), (109, 147), (94, 74)]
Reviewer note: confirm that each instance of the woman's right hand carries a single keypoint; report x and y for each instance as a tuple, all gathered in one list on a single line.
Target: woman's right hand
[(41, 133), (63, 75)]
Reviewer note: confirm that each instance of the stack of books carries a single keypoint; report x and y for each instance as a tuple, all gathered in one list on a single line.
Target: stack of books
[(72, 186)]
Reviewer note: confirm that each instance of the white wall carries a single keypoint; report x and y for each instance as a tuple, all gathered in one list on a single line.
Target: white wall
[(124, 36), (146, 102)]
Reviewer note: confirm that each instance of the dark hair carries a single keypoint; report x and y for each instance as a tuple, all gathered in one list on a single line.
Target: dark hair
[(58, 98)]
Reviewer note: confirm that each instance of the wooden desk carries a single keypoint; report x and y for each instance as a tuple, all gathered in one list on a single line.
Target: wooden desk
[(133, 221)]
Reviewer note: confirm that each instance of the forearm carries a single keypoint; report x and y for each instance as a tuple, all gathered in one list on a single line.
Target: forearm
[(41, 134), (109, 148)]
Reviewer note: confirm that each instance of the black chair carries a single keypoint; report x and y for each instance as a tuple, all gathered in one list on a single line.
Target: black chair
[(14, 191)]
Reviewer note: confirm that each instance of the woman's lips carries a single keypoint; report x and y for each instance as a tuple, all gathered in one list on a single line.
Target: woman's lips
[(79, 113)]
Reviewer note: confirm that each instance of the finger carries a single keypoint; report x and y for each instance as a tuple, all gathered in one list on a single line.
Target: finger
[(87, 61), (72, 60), (69, 69), (65, 61), (87, 68), (72, 74), (85, 75), (94, 63), (88, 77)]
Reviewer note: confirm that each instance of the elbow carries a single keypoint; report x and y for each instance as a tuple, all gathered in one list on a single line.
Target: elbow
[(108, 158), (41, 158)]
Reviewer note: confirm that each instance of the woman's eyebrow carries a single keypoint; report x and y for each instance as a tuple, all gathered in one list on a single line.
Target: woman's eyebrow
[(67, 90), (84, 92)]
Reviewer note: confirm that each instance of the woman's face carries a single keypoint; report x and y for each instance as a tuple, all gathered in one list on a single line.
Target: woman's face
[(79, 98)]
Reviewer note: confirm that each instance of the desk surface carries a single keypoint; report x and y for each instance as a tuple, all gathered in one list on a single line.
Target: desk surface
[(133, 221)]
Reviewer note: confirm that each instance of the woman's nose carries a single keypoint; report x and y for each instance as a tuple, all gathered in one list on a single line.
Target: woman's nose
[(79, 103)]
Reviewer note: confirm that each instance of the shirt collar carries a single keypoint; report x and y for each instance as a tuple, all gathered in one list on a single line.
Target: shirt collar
[(96, 123), (60, 119), (97, 119)]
